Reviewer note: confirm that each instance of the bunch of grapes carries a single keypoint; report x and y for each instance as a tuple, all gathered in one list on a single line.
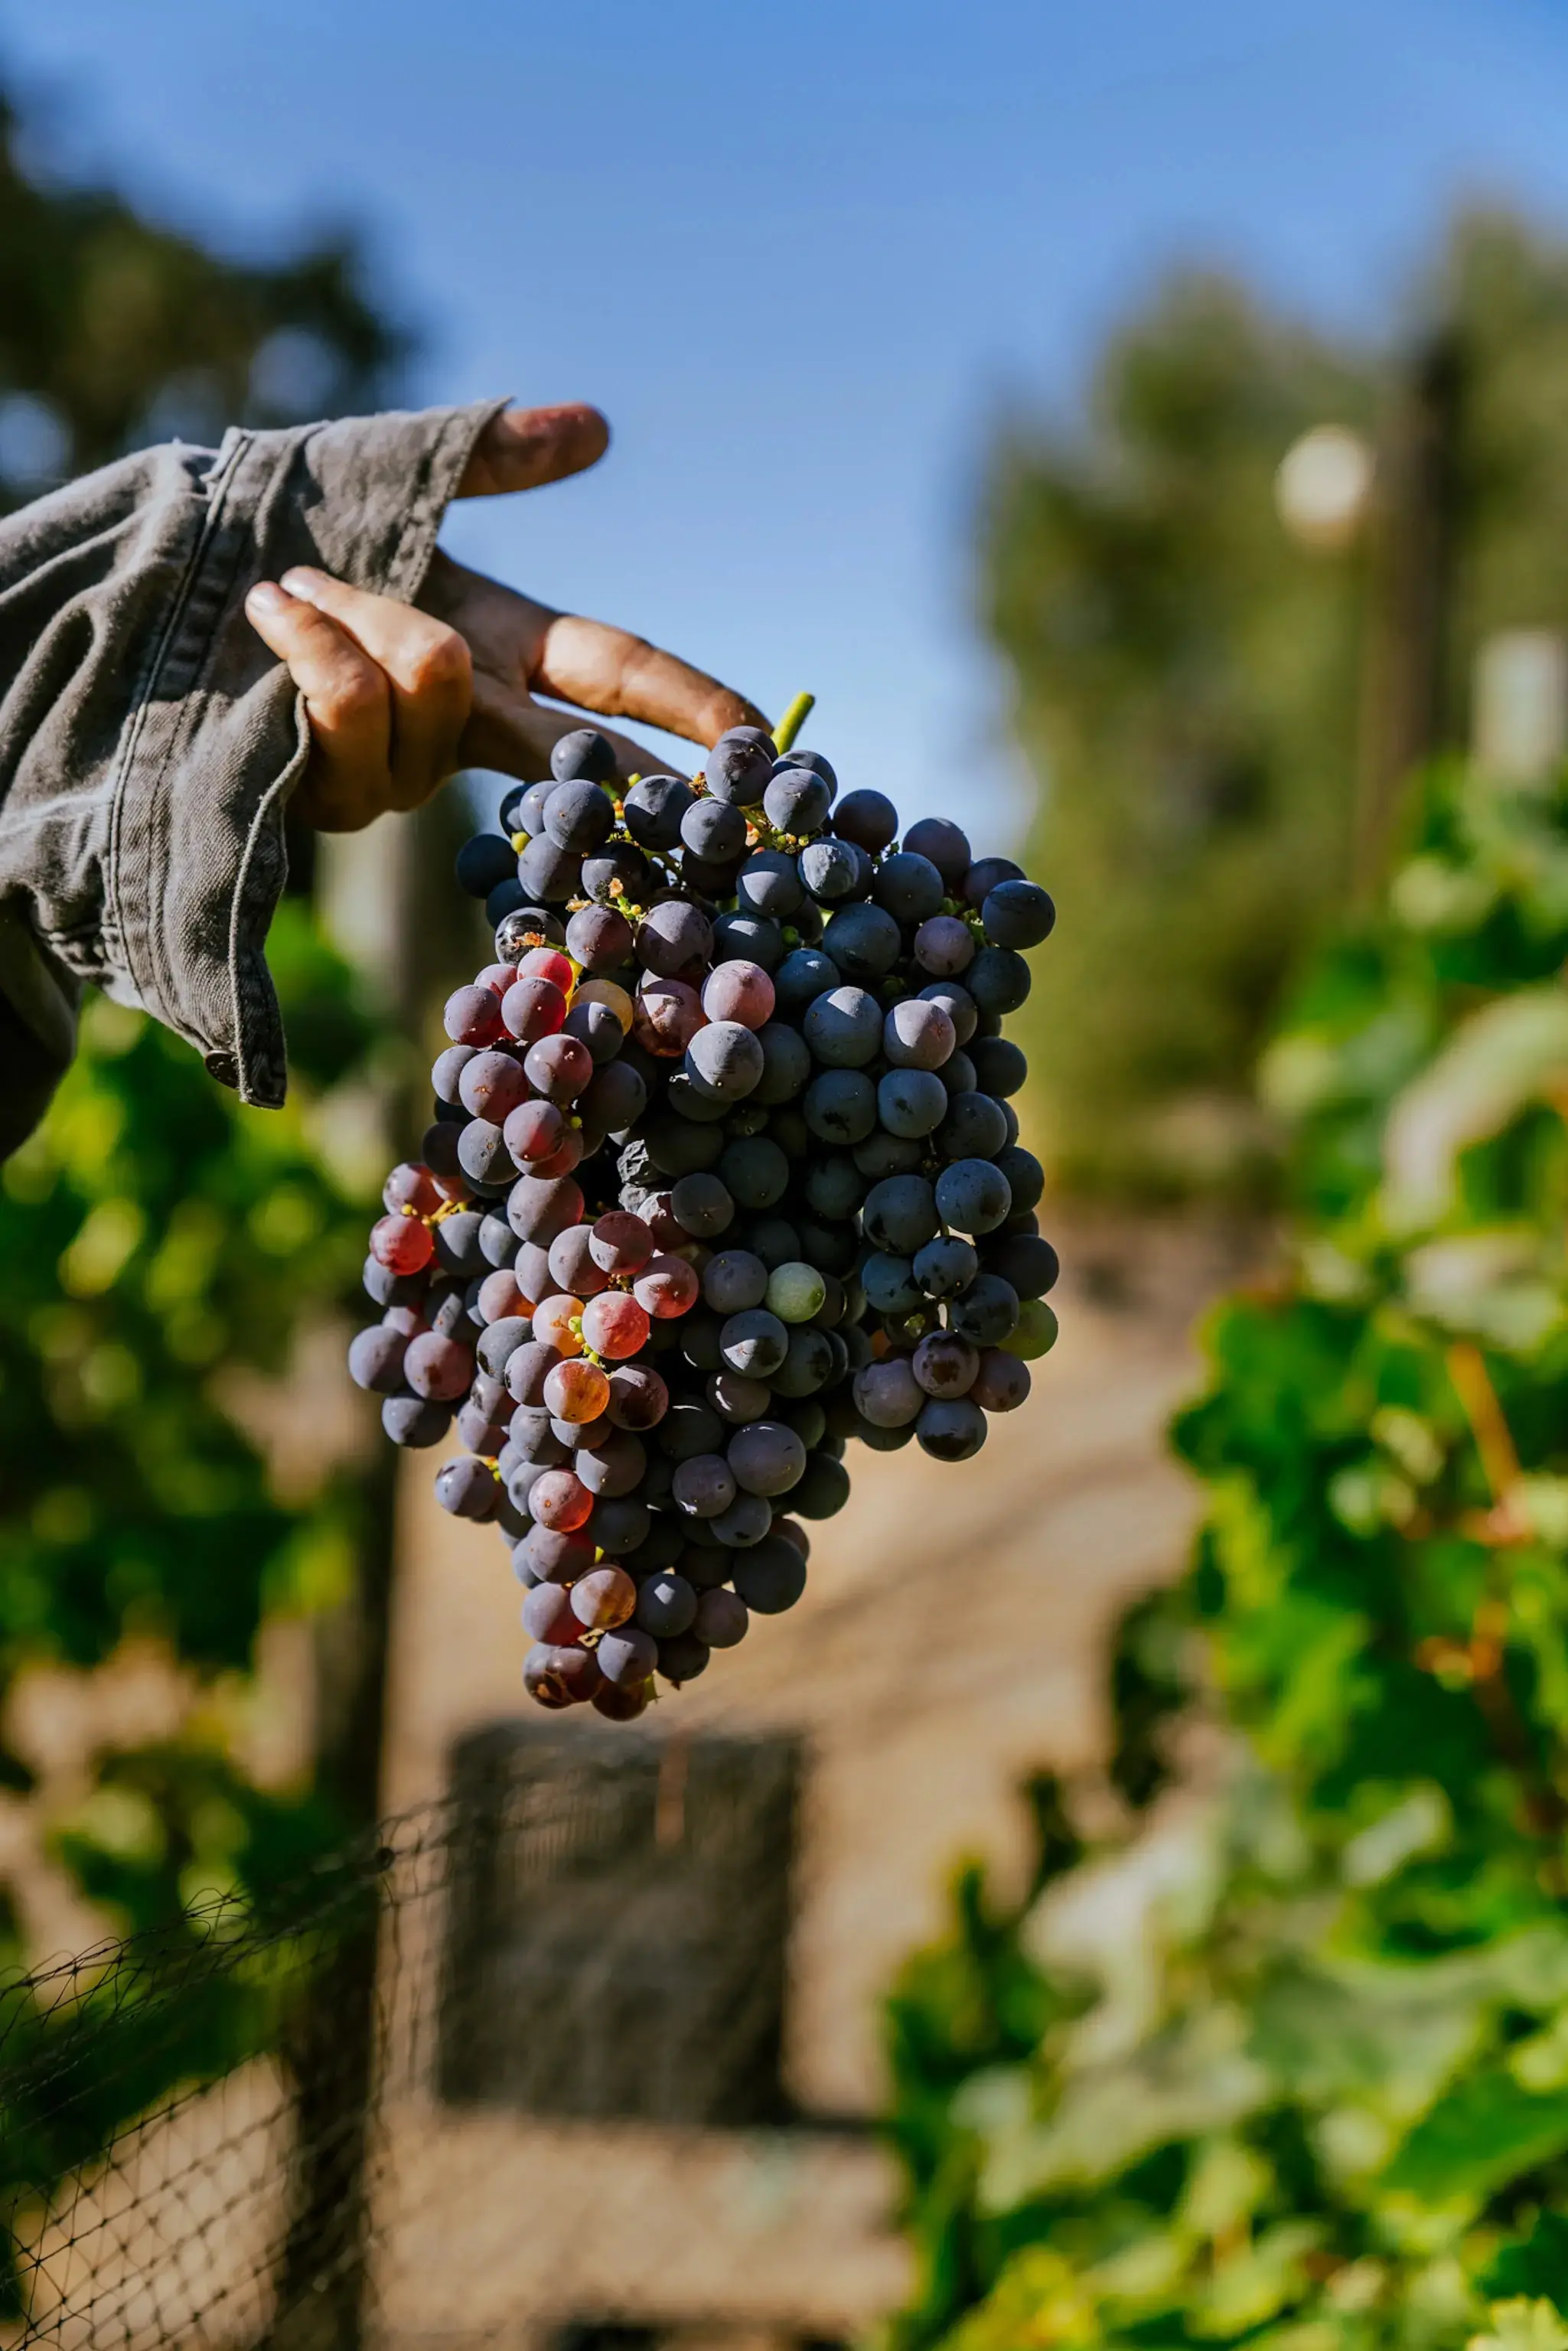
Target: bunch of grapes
[(723, 1171)]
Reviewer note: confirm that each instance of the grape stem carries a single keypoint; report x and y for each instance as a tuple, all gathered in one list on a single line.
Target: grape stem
[(794, 718)]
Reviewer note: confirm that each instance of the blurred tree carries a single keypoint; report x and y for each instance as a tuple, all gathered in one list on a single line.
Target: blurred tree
[(115, 332), (1206, 698)]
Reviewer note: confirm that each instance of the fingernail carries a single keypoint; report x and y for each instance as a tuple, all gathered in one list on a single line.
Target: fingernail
[(267, 597), (301, 580)]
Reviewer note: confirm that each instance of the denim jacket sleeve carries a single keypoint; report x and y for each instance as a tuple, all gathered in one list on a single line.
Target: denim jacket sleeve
[(147, 739)]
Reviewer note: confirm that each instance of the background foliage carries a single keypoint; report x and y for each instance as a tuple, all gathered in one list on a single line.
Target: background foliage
[(1190, 684), (1294, 2069)]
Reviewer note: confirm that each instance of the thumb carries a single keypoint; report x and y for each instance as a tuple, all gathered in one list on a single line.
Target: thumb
[(523, 447)]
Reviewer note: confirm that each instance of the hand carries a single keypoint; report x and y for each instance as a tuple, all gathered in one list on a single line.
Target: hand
[(399, 698)]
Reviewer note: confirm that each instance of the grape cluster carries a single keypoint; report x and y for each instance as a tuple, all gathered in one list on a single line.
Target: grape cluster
[(724, 1171)]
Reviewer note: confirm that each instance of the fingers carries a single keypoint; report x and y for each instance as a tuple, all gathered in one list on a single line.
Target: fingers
[(346, 698), (427, 665), (607, 669), (523, 447)]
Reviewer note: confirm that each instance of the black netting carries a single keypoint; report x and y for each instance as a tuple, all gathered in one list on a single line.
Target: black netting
[(272, 2124)]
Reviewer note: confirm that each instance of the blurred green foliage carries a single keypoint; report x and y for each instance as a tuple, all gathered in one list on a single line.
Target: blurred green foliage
[(1291, 2067), (1189, 681)]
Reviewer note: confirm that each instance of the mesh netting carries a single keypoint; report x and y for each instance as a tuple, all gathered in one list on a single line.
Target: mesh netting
[(490, 2077)]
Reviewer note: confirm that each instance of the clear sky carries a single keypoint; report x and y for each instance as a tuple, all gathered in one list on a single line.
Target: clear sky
[(802, 251)]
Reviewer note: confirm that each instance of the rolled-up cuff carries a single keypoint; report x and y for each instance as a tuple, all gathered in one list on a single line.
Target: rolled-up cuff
[(219, 738)]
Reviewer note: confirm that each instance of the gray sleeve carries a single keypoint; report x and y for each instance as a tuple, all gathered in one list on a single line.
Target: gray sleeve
[(149, 740)]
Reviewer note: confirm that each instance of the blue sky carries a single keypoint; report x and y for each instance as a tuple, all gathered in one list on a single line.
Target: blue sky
[(802, 254)]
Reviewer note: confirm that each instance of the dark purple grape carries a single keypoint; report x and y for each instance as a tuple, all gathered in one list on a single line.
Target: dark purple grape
[(946, 1265), (585, 752), (744, 1522), (1026, 1177), (578, 817), (375, 1359), (726, 1059), (822, 1492), (540, 1206), (666, 1604), (483, 861), (908, 887), (416, 1420), (615, 1098), (972, 1128), (468, 1489), (714, 831), (843, 1027), (768, 885), (653, 809), (446, 1072), (809, 1363), (864, 941), (742, 937), (834, 1187), (767, 1458), (945, 844), (797, 801), (733, 1280), (1028, 1264), (835, 871), (622, 1523), (786, 1065), (739, 767), (703, 1486), (754, 1341), (804, 973), (901, 1214), (771, 1576), (867, 818), (1018, 915), (754, 1171), (503, 900), (913, 1103), (701, 1204), (548, 872), (555, 1556), (526, 927), (527, 1368), (840, 1106), (627, 1655), (619, 871), (560, 1676), (674, 938), (599, 939), (983, 877), (986, 1313), (1002, 1382), (951, 1431), (972, 1195), (999, 980), (721, 1619), (683, 1659)]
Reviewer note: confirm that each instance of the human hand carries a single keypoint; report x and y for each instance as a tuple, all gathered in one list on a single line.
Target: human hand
[(398, 698)]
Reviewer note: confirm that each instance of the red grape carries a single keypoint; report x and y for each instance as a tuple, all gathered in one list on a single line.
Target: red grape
[(549, 963), (499, 1296), (621, 1242), (615, 1325), (605, 1597), (492, 1085), (533, 1132), (558, 1068), (561, 1677), (668, 1017), (412, 1188), (738, 991), (533, 1009), (401, 1243), (553, 1319), (577, 1390), (473, 1016), (560, 1499), (498, 976), (667, 1287)]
